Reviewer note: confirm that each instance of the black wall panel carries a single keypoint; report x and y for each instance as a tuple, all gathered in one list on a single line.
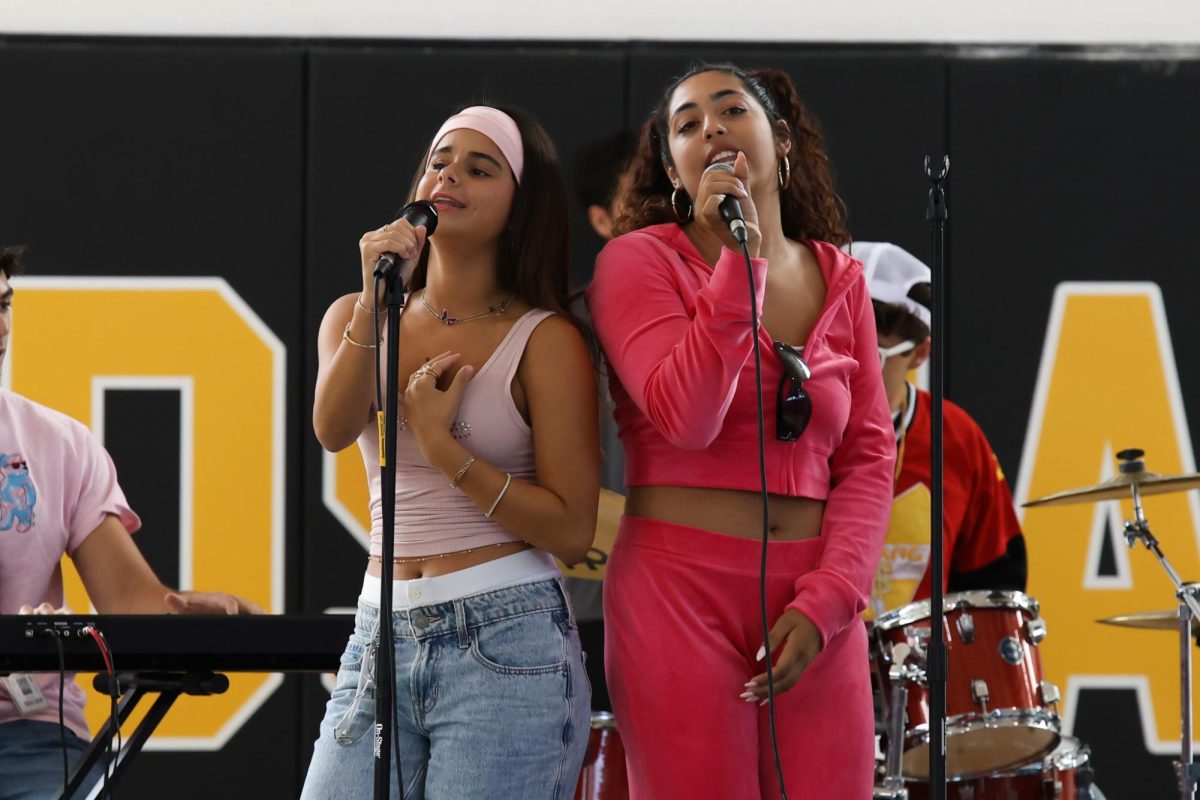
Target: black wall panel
[(1069, 169), (166, 159), (1064, 169), (264, 164)]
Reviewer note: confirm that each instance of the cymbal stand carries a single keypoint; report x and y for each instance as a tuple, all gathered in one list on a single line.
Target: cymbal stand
[(1139, 530), (1189, 607), (1186, 768)]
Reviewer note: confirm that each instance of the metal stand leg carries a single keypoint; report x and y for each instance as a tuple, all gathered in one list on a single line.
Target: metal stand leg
[(893, 781), (900, 675), (1186, 766), (169, 687)]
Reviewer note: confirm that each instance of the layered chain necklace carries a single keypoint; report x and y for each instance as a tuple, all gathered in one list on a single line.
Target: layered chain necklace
[(444, 315)]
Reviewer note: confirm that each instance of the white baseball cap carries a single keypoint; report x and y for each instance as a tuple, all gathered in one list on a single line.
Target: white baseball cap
[(891, 272)]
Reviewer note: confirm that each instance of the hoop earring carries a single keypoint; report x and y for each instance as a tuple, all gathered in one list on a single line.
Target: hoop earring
[(683, 218), (784, 171)]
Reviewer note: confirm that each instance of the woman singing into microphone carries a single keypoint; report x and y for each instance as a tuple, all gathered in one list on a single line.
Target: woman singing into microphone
[(671, 305), (497, 471)]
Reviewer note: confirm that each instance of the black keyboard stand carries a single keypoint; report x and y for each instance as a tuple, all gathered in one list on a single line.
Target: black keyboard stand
[(134, 686)]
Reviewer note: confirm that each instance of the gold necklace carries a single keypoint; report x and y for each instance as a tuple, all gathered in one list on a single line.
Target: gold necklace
[(447, 320)]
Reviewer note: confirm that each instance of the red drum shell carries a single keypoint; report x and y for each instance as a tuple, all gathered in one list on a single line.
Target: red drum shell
[(1057, 778), (990, 637), (603, 776)]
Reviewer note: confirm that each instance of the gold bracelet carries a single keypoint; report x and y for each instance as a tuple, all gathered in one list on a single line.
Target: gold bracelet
[(458, 476), (499, 497), (358, 302), (346, 338)]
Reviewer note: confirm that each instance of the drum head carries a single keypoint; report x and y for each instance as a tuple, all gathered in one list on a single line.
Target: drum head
[(984, 750), (915, 612)]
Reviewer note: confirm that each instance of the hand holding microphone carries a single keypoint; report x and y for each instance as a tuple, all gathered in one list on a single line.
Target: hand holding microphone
[(724, 205), (396, 245)]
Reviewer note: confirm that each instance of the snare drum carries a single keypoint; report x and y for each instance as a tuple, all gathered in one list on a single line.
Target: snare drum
[(603, 776), (1065, 775), (999, 712)]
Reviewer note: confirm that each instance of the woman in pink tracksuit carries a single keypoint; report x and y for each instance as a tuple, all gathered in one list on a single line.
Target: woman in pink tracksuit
[(671, 305)]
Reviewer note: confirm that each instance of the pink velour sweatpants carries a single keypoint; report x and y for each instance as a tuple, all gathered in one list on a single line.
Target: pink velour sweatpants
[(682, 626)]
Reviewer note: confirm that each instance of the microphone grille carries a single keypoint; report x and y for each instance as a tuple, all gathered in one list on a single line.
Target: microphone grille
[(719, 166)]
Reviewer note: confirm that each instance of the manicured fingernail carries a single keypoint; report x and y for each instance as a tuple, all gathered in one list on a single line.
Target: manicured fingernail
[(762, 651), (748, 696), (750, 684), (764, 702)]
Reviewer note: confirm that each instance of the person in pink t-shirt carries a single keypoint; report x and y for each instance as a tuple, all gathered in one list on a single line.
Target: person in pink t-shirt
[(671, 303), (59, 496)]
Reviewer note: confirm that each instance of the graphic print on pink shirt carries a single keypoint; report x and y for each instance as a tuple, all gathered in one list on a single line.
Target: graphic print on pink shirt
[(17, 494)]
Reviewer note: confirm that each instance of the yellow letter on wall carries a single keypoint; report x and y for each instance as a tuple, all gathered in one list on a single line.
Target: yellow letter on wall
[(1108, 382), (74, 337)]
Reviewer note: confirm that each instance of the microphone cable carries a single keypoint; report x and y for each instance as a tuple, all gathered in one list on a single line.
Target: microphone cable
[(762, 475)]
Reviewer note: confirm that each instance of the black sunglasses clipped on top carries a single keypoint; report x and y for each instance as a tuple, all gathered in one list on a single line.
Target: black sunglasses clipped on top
[(793, 406)]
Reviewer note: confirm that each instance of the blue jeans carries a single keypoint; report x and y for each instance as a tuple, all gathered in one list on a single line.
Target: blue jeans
[(31, 766), (493, 701)]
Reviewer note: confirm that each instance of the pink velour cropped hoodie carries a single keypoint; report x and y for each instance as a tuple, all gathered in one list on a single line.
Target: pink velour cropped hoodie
[(676, 333)]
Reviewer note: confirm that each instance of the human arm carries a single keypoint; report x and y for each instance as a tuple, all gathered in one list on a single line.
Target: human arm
[(679, 365), (558, 513), (345, 390), (1007, 572), (120, 581), (989, 550), (835, 592)]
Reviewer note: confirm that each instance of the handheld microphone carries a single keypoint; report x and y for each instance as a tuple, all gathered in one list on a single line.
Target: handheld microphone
[(730, 209), (418, 213)]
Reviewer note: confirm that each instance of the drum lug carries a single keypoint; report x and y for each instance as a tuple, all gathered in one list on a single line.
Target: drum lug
[(1035, 630), (907, 665), (1049, 693), (979, 692), (966, 627)]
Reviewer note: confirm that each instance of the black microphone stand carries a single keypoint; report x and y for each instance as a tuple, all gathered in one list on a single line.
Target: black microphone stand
[(937, 214), (385, 652)]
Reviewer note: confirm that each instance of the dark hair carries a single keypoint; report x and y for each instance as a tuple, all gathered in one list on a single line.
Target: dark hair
[(809, 207), (600, 164), (534, 253), (892, 319), (10, 261)]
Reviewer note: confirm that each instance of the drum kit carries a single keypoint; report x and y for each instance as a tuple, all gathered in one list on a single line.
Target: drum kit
[(1003, 734)]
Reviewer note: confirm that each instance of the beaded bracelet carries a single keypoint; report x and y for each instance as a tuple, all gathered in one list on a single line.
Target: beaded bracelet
[(499, 497)]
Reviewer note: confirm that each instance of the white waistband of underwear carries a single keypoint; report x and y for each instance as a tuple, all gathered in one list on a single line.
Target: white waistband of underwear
[(527, 566)]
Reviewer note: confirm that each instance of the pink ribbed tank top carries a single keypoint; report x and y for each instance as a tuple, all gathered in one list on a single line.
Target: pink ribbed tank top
[(431, 516)]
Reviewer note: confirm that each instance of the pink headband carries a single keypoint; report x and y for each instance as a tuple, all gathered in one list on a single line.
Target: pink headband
[(494, 124)]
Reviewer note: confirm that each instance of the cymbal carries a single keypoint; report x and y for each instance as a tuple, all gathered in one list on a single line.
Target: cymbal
[(1148, 620), (1118, 488), (608, 519)]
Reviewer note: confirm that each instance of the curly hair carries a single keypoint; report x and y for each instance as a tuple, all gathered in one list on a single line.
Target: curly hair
[(809, 206)]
